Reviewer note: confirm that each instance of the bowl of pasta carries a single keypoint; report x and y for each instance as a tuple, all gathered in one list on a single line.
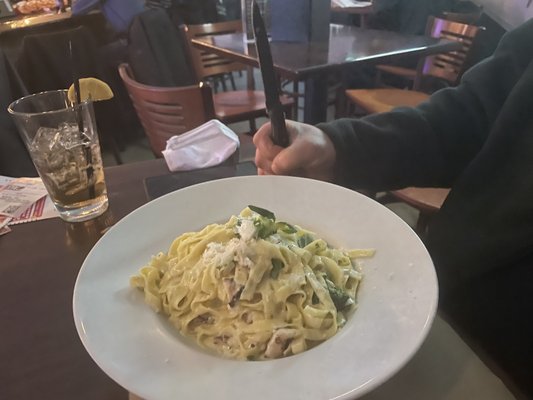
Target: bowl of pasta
[(282, 287)]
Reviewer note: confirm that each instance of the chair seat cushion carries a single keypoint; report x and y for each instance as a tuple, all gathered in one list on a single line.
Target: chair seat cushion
[(425, 199), (384, 100), (239, 105)]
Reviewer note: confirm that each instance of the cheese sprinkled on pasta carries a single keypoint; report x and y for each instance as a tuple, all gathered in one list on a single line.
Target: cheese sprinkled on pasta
[(253, 288)]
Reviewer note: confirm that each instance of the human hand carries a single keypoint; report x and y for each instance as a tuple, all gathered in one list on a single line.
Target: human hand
[(310, 153)]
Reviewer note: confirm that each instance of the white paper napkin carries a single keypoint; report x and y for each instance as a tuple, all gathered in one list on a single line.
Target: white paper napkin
[(205, 146)]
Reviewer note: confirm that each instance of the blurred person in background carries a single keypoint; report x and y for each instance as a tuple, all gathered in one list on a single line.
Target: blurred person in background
[(118, 13), (188, 11), (406, 16)]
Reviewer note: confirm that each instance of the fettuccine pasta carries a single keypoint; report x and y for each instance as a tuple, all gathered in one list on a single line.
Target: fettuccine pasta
[(253, 288)]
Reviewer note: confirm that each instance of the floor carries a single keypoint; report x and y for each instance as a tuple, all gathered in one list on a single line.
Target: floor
[(139, 149)]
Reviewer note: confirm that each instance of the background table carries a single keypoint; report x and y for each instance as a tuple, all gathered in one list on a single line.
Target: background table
[(348, 47), (361, 10), (41, 356)]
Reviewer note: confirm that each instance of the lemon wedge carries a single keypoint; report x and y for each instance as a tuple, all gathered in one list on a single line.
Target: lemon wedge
[(91, 89)]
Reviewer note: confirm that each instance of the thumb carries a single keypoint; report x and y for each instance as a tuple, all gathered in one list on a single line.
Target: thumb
[(290, 160)]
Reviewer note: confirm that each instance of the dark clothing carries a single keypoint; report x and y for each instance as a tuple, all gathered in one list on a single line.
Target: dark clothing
[(194, 11), (14, 157), (157, 51), (45, 64), (118, 13), (478, 140), (406, 16), (158, 3), (229, 10)]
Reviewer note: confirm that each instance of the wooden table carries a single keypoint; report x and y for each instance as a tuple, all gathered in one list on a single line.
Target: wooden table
[(33, 20), (41, 356), (348, 47), (13, 30)]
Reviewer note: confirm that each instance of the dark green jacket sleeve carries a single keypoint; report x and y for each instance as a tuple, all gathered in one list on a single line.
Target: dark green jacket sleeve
[(432, 144)]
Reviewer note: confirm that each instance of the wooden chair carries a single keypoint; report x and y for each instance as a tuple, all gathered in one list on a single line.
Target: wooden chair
[(235, 105), (465, 12), (167, 111), (209, 65), (447, 66), (427, 201)]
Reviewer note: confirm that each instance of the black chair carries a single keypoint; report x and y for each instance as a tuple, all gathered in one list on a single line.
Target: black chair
[(45, 64), (157, 53), (15, 160)]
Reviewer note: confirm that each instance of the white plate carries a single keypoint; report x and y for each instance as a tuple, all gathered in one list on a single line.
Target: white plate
[(143, 353)]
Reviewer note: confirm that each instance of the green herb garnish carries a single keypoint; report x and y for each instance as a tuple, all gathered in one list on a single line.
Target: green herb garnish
[(264, 226), (277, 265), (338, 297), (285, 227), (304, 240), (263, 212)]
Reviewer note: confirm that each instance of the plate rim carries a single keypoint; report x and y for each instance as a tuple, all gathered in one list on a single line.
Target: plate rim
[(359, 391)]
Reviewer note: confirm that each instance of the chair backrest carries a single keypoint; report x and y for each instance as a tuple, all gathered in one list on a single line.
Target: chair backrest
[(465, 12), (157, 51), (15, 160), (208, 64), (47, 61), (450, 66), (168, 111), (44, 62)]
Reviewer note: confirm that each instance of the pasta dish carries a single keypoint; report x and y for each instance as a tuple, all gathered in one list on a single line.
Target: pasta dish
[(253, 288)]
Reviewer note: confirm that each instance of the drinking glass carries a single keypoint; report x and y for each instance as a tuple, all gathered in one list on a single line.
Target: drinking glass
[(62, 140)]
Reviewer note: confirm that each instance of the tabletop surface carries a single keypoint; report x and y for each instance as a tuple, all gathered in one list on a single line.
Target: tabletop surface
[(41, 356), (347, 45), (32, 20), (360, 8)]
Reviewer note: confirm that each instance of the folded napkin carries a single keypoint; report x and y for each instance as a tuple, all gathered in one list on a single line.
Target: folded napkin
[(205, 146)]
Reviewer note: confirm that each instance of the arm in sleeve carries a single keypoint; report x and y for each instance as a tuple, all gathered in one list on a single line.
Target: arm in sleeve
[(431, 144)]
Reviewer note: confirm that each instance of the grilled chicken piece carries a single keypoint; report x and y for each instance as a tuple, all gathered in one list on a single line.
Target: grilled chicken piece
[(279, 342), (232, 289)]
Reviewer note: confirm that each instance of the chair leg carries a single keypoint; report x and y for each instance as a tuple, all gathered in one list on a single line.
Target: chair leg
[(213, 82), (223, 82), (115, 150), (422, 224), (109, 142), (417, 83), (250, 81), (253, 126), (340, 103), (232, 80), (368, 193), (349, 108), (295, 97)]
